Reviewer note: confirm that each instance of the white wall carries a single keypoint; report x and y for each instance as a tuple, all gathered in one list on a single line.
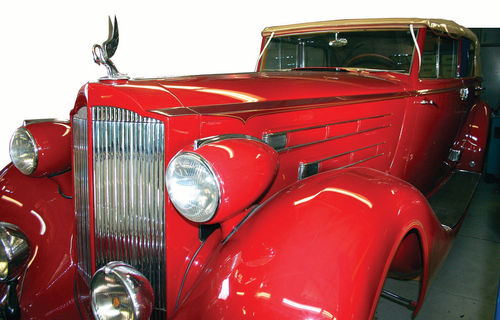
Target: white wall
[(45, 46)]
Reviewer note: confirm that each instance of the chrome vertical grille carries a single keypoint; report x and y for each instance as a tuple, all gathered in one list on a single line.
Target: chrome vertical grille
[(129, 193), (81, 180), (128, 163)]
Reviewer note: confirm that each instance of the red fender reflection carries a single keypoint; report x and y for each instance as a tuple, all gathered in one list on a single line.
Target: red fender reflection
[(473, 138), (46, 217), (339, 227)]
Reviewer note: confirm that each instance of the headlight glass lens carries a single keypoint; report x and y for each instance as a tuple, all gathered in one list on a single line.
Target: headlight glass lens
[(193, 187), (14, 251), (121, 292), (23, 151), (110, 299), (4, 263)]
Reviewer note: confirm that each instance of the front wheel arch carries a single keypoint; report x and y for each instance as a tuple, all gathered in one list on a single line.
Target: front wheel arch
[(407, 263)]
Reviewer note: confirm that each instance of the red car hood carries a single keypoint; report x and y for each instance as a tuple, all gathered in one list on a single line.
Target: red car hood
[(227, 93)]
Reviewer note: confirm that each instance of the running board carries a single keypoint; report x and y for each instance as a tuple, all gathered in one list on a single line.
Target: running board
[(452, 199)]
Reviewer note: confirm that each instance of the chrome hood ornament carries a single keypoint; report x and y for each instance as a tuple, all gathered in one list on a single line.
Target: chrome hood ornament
[(102, 53)]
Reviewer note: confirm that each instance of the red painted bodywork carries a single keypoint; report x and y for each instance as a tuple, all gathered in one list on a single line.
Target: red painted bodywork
[(47, 218), (332, 215), (318, 248), (53, 140), (473, 138)]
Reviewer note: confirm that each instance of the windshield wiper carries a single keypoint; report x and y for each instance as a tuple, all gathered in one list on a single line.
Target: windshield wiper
[(331, 69)]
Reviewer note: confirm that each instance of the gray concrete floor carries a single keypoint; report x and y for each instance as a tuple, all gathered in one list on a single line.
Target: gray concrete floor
[(467, 283)]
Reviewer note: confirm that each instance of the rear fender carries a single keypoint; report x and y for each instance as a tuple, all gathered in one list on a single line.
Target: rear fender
[(319, 249), (42, 208), (473, 138)]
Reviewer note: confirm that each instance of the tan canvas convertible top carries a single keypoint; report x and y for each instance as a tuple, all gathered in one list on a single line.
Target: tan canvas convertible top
[(439, 25)]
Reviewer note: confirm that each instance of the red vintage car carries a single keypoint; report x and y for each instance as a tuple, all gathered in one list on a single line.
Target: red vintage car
[(292, 192)]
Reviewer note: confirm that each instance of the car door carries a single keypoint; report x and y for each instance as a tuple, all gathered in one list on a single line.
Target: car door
[(441, 99)]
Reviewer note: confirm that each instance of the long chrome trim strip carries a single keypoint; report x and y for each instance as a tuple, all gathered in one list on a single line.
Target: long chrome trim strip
[(203, 141), (360, 161), (278, 139), (307, 169), (424, 92), (245, 111), (31, 121), (332, 124), (269, 107), (333, 138), (347, 152)]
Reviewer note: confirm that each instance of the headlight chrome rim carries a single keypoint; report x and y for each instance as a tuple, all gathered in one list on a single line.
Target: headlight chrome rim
[(14, 252), (213, 206), (117, 278), (17, 159)]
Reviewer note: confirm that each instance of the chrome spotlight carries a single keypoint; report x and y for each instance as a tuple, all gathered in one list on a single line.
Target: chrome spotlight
[(14, 251), (121, 292)]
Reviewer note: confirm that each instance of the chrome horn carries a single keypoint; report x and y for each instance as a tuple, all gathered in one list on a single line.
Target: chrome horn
[(102, 53)]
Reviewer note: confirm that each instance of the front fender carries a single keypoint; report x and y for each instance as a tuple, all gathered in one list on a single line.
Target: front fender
[(43, 210), (319, 249)]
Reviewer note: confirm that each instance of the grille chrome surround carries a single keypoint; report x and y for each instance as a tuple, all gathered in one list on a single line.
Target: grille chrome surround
[(128, 163), (81, 181)]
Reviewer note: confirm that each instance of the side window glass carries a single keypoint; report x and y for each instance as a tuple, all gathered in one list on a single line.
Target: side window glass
[(439, 57), (429, 66), (472, 56), (467, 58), (448, 58)]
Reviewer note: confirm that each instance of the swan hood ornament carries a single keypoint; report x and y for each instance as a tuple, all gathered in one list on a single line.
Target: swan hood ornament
[(102, 53)]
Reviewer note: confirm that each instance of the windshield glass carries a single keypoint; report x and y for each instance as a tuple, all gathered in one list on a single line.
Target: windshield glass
[(380, 50)]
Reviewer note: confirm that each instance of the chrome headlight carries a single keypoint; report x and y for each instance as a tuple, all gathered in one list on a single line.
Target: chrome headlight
[(23, 151), (14, 251), (121, 292), (193, 187)]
